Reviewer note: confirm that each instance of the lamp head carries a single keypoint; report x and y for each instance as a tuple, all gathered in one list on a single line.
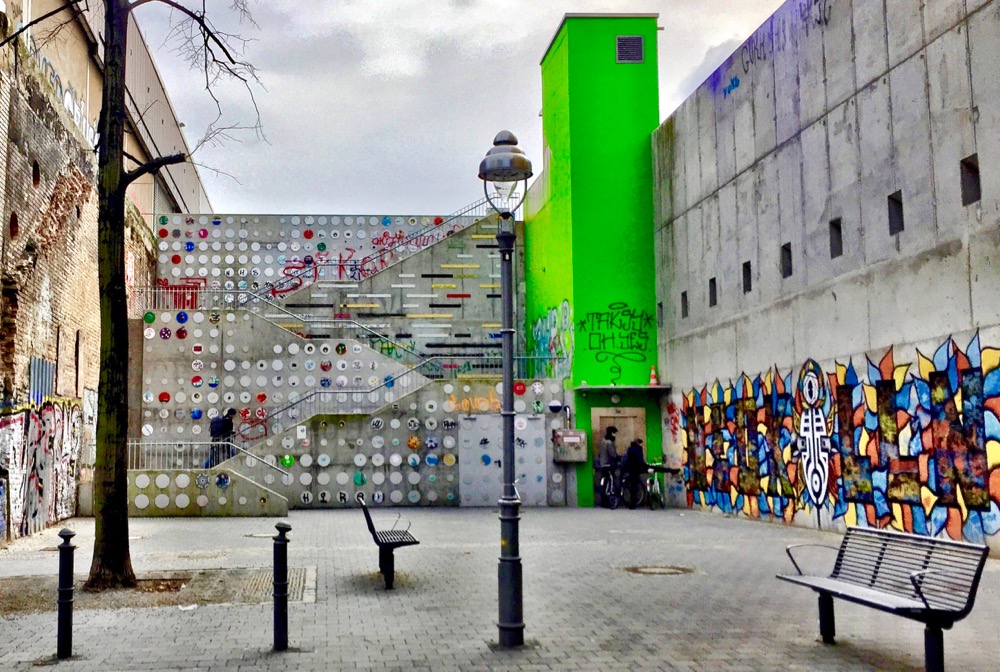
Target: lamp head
[(506, 162)]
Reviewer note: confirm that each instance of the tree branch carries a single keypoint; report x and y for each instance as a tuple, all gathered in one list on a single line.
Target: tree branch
[(150, 167), (70, 3)]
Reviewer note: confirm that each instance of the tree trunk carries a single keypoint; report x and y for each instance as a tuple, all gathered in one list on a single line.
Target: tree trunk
[(112, 565)]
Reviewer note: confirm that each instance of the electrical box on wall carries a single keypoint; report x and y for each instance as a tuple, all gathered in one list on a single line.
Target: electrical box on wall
[(569, 445)]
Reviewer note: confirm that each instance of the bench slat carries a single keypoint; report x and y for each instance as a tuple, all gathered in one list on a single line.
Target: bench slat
[(866, 596)]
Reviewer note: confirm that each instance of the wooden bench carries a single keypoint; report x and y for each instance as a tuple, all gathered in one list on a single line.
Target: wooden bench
[(387, 542), (933, 581)]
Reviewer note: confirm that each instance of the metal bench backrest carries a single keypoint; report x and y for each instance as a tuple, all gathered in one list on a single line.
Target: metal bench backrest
[(368, 517), (884, 561)]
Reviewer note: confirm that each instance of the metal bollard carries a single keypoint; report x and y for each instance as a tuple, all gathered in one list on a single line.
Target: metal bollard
[(281, 586), (64, 634)]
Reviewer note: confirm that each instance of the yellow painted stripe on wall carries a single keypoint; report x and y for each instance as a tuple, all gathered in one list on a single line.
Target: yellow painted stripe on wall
[(459, 266), (444, 286), (466, 276), (483, 236), (492, 325), (491, 286), (429, 316), (363, 305)]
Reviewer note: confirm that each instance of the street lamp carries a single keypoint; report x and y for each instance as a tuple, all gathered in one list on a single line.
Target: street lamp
[(504, 166)]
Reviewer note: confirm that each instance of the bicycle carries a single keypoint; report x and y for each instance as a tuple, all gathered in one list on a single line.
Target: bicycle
[(609, 489), (653, 492)]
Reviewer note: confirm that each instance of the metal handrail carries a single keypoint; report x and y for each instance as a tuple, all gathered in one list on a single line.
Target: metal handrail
[(188, 450)]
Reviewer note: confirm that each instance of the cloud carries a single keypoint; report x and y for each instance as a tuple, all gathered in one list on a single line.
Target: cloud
[(387, 106)]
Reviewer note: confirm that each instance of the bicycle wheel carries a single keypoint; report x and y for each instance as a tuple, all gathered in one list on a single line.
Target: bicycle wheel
[(611, 498), (655, 498), (634, 495)]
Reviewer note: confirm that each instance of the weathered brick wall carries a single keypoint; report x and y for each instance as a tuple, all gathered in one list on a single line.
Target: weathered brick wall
[(48, 269)]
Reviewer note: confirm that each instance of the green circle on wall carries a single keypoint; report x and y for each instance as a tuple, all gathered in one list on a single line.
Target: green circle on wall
[(287, 461), (321, 247), (359, 479), (149, 317)]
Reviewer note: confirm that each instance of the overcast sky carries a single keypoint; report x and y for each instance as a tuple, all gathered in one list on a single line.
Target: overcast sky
[(387, 106)]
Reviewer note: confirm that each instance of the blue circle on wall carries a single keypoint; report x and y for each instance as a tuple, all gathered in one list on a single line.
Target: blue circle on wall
[(386, 221), (487, 460), (182, 317), (196, 414), (189, 246)]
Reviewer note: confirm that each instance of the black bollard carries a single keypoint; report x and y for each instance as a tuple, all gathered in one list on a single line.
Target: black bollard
[(64, 634), (281, 586)]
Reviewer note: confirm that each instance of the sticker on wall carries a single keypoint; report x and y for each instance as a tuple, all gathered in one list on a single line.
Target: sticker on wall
[(378, 460), (149, 333), (537, 387), (413, 460), (359, 479), (222, 481), (301, 432), (306, 497), (395, 459), (431, 460), (413, 443), (323, 460), (378, 497), (287, 461), (519, 388), (520, 423)]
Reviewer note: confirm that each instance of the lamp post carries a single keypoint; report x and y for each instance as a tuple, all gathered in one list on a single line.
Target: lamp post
[(504, 166)]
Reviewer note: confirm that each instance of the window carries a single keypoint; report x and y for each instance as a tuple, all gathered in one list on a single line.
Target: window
[(76, 361), (786, 260), (629, 49), (972, 189), (684, 304), (14, 226), (896, 224), (713, 294), (36, 174), (747, 277), (836, 238)]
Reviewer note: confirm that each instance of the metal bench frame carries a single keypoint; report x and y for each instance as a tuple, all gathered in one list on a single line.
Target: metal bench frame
[(387, 542), (933, 581)]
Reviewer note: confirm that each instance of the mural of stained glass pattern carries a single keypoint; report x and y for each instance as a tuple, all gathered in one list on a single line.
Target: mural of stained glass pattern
[(912, 446)]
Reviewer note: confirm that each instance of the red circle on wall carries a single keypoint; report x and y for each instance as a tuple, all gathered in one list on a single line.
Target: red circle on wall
[(261, 397), (164, 397), (176, 259), (438, 221), (163, 233), (519, 388), (308, 234)]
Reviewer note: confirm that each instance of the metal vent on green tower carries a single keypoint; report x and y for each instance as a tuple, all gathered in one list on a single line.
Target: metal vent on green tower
[(629, 49)]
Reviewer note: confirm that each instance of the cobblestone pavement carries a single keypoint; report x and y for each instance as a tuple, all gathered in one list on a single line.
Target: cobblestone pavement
[(582, 609)]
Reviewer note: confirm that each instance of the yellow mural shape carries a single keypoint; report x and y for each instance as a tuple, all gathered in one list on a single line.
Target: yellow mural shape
[(991, 359), (897, 517), (925, 366), (899, 375), (727, 396), (733, 496), (764, 482), (961, 502), (993, 454), (851, 515), (706, 412), (863, 443), (841, 373), (928, 498), (767, 382), (871, 400)]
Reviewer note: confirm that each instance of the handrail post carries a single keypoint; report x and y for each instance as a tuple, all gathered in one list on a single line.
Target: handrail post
[(281, 586), (64, 632)]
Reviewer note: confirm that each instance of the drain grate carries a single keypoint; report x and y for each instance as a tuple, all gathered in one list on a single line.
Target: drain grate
[(260, 585), (661, 570)]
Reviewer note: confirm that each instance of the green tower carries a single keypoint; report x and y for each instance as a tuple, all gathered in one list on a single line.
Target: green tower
[(589, 260)]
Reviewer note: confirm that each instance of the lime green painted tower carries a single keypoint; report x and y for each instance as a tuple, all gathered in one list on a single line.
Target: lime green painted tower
[(589, 258)]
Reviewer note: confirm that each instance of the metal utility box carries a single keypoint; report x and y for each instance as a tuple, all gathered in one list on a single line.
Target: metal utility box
[(569, 445)]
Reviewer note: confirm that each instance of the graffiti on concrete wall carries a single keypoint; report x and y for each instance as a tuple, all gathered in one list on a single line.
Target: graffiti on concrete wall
[(3, 510), (617, 336), (881, 445), (41, 446), (552, 336)]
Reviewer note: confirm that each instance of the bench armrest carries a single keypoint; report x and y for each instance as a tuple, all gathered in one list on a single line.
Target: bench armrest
[(916, 584), (791, 557), (401, 520)]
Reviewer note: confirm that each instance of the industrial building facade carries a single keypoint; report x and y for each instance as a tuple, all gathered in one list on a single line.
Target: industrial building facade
[(827, 211)]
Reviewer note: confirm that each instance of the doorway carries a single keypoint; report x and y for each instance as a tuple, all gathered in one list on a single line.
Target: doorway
[(631, 424)]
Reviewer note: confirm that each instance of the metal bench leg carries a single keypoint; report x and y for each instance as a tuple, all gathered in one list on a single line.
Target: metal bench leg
[(933, 648), (827, 624), (387, 565)]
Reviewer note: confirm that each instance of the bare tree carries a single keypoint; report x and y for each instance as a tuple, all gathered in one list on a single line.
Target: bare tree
[(218, 55)]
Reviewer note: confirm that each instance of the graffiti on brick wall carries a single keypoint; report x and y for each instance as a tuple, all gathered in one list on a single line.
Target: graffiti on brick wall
[(912, 446), (42, 446), (3, 510), (552, 336), (618, 336)]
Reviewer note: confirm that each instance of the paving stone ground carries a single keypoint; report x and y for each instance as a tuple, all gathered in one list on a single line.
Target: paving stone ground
[(582, 609)]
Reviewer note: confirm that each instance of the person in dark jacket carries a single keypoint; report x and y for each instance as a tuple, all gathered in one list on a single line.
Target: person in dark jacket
[(633, 471), (222, 432)]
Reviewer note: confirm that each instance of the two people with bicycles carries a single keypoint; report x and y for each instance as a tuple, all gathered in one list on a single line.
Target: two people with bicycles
[(629, 479)]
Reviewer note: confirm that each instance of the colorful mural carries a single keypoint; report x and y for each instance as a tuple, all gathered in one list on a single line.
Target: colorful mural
[(879, 446), (552, 337), (39, 448)]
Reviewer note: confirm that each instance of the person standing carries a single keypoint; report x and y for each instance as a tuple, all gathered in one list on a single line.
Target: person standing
[(222, 432), (633, 470), (607, 464)]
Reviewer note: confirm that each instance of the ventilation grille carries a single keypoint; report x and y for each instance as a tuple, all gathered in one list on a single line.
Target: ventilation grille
[(629, 49)]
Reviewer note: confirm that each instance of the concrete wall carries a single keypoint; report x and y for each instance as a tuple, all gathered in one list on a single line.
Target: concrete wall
[(826, 111), (360, 374)]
